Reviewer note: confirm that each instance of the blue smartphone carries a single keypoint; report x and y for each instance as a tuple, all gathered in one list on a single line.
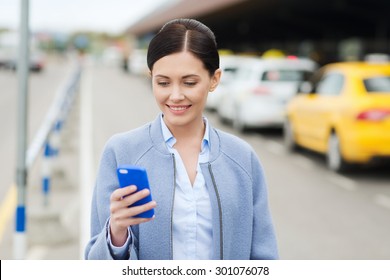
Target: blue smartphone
[(136, 175)]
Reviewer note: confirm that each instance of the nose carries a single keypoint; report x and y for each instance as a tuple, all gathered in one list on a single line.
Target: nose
[(176, 94)]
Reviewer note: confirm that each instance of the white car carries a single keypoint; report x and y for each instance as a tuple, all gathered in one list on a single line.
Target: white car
[(112, 56), (225, 106), (137, 62), (263, 87), (229, 66)]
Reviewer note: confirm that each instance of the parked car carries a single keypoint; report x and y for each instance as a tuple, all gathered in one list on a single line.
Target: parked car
[(137, 63), (262, 89), (3, 59), (229, 67), (9, 52), (242, 79), (37, 62), (112, 56), (344, 115)]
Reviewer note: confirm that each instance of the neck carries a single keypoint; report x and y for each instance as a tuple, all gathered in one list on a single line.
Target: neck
[(193, 131)]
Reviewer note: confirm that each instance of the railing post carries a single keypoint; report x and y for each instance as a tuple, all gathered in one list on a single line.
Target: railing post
[(55, 138), (46, 173), (50, 157)]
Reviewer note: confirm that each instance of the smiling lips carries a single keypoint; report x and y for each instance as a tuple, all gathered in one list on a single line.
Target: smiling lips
[(178, 109)]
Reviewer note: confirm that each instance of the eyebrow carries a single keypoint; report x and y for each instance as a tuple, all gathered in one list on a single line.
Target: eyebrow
[(184, 77)]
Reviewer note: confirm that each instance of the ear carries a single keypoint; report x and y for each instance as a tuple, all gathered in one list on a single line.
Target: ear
[(215, 79)]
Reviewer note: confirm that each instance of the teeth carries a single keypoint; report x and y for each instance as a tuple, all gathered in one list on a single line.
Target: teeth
[(178, 108)]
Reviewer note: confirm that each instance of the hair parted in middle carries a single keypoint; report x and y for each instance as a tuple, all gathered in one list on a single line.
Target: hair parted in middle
[(185, 35)]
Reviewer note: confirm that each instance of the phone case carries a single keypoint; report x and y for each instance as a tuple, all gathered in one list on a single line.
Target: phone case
[(135, 175)]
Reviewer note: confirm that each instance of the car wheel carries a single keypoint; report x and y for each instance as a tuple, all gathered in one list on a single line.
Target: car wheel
[(335, 159), (288, 137)]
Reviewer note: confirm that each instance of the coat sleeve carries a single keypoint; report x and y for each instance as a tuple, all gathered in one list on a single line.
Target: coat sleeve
[(98, 247), (264, 245)]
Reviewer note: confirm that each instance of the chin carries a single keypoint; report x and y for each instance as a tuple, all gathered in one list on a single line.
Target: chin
[(177, 120)]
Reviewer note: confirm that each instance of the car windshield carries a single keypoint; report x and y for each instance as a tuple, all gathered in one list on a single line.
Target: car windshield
[(285, 75), (378, 84)]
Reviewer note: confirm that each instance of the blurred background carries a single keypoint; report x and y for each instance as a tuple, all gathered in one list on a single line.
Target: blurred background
[(306, 83)]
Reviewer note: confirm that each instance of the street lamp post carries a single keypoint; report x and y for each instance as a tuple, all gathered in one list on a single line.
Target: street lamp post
[(20, 240)]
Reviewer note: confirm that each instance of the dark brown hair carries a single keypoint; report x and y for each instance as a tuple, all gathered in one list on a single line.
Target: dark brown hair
[(185, 35)]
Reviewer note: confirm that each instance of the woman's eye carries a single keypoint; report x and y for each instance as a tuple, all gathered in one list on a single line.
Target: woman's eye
[(190, 84), (163, 84)]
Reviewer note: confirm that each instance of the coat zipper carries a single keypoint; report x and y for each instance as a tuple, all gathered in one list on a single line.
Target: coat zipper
[(173, 201), (220, 212)]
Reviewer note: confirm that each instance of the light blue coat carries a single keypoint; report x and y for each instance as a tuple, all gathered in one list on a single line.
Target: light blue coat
[(242, 225)]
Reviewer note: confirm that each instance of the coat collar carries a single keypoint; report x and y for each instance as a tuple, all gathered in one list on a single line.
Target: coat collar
[(157, 138)]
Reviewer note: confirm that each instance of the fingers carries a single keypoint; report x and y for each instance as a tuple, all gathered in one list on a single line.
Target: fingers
[(126, 217), (131, 199), (136, 210), (126, 192), (132, 211), (121, 214), (119, 193)]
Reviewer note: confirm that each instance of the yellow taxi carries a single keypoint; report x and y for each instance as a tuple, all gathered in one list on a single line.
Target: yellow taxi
[(344, 113)]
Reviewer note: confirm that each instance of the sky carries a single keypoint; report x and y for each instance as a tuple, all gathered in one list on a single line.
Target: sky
[(111, 16)]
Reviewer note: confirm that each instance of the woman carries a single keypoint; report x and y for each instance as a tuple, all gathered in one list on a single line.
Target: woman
[(210, 197)]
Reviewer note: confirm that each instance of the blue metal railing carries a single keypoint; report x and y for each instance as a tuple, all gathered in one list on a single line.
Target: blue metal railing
[(46, 141)]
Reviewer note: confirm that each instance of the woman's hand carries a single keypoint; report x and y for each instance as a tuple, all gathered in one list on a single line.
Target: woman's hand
[(122, 216)]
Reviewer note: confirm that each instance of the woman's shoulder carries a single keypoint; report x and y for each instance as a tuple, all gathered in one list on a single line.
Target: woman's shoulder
[(235, 148), (134, 137), (232, 143), (128, 147), (236, 152)]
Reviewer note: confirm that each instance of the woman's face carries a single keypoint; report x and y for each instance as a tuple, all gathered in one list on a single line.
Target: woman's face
[(181, 85)]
